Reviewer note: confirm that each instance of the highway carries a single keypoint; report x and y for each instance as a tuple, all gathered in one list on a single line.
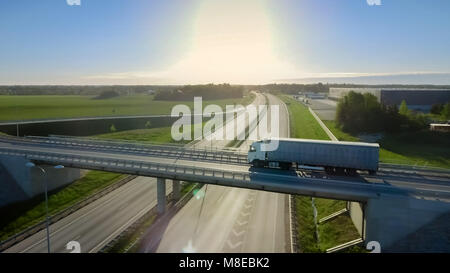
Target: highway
[(96, 224), (230, 219), (246, 207)]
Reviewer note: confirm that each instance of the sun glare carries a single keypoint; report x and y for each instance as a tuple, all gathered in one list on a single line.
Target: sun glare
[(232, 43)]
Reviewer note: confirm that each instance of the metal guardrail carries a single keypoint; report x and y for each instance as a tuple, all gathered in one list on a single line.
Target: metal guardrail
[(123, 144), (164, 170), (413, 168), (346, 245), (192, 153), (333, 215), (58, 216)]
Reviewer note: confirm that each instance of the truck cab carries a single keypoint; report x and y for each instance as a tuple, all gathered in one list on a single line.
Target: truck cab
[(255, 155)]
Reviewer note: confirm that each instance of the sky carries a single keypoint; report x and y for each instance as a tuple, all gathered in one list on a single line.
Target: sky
[(217, 41)]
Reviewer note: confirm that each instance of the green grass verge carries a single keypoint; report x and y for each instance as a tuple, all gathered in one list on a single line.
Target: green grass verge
[(186, 187), (306, 231), (19, 216), (423, 148), (125, 243), (336, 231), (302, 122), (52, 106), (153, 135)]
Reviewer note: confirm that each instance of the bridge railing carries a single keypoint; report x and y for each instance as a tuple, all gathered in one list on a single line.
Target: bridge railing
[(217, 155), (125, 144), (124, 165), (413, 168)]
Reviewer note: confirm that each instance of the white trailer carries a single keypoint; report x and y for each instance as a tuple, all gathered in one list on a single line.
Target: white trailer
[(334, 156)]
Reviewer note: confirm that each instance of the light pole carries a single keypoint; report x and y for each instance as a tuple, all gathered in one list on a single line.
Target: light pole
[(47, 221), (17, 112)]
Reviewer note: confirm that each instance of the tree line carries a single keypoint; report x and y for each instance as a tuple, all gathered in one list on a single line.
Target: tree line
[(362, 113), (87, 90), (207, 92), (441, 109)]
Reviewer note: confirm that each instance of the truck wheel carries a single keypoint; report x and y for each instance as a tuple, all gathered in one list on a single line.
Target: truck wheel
[(340, 171), (329, 170), (257, 164), (351, 172)]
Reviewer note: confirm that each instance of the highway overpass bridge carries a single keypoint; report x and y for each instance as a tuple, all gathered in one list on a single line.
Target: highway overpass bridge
[(406, 208)]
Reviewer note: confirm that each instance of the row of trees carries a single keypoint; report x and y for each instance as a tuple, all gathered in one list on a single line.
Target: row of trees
[(88, 90), (441, 109), (362, 113), (207, 92), (107, 95), (293, 88)]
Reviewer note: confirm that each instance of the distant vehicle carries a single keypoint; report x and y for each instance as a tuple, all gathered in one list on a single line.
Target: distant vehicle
[(440, 127), (335, 157)]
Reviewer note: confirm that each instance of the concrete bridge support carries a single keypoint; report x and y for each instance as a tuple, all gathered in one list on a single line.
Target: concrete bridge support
[(398, 224), (176, 187), (18, 182), (356, 211), (161, 195)]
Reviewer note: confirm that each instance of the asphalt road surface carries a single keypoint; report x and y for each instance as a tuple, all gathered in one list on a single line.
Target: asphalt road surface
[(325, 108)]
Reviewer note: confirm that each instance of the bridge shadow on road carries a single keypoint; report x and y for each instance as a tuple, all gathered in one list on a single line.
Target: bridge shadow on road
[(152, 238)]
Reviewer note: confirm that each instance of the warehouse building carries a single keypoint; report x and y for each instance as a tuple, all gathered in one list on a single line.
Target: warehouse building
[(416, 99)]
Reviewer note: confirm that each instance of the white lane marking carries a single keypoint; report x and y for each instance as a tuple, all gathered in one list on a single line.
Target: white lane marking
[(275, 223), (233, 246), (290, 223), (101, 205), (129, 222), (241, 223), (245, 214), (237, 234)]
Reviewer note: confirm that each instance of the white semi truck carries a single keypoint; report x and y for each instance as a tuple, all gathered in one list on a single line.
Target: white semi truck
[(337, 157)]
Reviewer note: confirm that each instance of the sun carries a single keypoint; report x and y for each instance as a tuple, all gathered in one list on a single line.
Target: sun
[(233, 43)]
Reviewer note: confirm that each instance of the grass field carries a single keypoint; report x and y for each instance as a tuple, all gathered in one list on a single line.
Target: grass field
[(20, 216), (423, 148), (302, 123), (52, 106), (153, 135), (335, 231)]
